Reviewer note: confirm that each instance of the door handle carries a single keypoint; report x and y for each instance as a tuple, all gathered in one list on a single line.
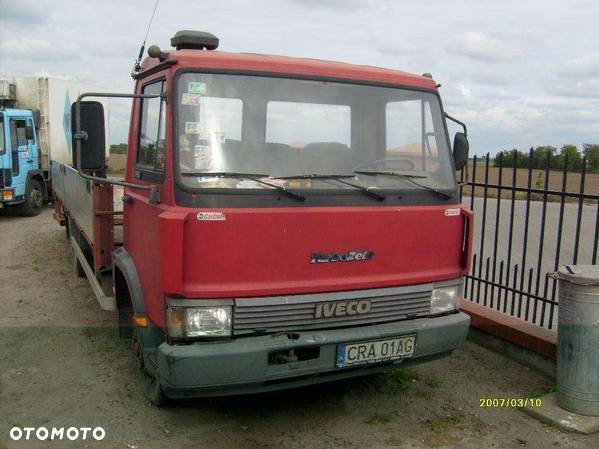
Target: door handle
[(30, 161)]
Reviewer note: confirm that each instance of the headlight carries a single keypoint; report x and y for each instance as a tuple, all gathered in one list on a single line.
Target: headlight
[(199, 321), (445, 299)]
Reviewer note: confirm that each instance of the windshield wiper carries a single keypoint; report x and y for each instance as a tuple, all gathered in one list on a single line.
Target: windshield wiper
[(256, 177), (408, 178), (390, 173), (339, 179)]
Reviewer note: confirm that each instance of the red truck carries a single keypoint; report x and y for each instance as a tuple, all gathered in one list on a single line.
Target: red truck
[(285, 221)]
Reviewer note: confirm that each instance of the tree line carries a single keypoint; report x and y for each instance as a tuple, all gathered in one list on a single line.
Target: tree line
[(118, 148), (547, 154), (508, 158)]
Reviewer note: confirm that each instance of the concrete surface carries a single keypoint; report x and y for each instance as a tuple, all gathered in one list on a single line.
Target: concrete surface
[(540, 363), (551, 413)]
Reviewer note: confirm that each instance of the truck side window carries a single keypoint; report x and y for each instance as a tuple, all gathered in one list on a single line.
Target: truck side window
[(17, 134), (410, 135), (150, 151)]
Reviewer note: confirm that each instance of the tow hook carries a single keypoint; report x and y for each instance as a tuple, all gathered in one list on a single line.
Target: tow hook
[(290, 335)]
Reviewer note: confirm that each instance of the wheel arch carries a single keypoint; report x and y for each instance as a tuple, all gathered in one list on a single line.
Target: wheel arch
[(127, 286), (38, 175)]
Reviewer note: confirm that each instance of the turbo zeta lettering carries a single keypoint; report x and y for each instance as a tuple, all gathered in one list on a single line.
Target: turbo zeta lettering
[(344, 308), (349, 256)]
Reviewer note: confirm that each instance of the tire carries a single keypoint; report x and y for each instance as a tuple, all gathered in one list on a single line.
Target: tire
[(148, 378), (34, 199)]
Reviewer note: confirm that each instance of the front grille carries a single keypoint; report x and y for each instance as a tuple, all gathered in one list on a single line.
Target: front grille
[(287, 313), (1, 177)]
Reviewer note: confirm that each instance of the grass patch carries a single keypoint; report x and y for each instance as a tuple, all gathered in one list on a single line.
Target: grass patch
[(379, 418), (12, 424), (543, 392), (424, 394), (405, 375), (445, 422), (451, 419), (402, 379), (432, 381), (401, 388)]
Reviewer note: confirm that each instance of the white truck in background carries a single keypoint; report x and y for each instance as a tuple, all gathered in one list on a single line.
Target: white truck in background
[(35, 127)]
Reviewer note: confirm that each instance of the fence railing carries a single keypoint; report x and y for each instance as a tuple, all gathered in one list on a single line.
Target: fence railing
[(528, 223)]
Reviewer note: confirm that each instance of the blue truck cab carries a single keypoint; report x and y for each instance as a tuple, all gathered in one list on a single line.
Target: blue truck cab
[(22, 183)]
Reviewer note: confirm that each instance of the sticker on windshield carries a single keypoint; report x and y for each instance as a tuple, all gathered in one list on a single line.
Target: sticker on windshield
[(452, 212), (191, 99), (194, 128), (218, 137), (195, 87), (202, 157)]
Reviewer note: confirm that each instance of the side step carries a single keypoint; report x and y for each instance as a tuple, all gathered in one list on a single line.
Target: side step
[(106, 302)]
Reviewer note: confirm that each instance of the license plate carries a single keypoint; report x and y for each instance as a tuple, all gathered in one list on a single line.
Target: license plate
[(369, 352)]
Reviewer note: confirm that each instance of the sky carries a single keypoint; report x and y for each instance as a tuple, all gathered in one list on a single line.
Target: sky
[(519, 73)]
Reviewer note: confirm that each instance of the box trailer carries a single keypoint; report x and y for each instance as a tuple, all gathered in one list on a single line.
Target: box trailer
[(36, 128)]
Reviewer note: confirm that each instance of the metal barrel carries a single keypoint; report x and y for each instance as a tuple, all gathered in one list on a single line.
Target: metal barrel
[(578, 339)]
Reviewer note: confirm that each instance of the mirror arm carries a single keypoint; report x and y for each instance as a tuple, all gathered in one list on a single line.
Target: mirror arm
[(455, 120), (82, 135)]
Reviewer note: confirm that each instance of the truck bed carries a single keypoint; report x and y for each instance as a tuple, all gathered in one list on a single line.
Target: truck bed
[(92, 213)]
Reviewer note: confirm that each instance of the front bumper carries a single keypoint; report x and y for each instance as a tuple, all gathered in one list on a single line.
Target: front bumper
[(241, 366)]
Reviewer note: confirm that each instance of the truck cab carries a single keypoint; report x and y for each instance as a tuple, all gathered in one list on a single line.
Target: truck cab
[(22, 184), (287, 221)]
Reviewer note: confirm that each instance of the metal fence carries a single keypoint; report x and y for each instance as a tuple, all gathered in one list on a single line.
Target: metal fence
[(528, 223)]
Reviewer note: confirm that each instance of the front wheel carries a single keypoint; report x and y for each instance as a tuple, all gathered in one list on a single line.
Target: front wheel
[(147, 375), (34, 199)]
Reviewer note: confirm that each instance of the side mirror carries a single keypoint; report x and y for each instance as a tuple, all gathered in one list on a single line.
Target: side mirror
[(92, 136), (29, 134), (460, 150)]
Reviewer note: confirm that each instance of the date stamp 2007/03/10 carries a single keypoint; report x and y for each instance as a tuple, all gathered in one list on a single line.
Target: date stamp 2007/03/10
[(510, 402)]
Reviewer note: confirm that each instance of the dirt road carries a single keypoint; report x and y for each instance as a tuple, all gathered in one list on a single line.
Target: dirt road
[(62, 364)]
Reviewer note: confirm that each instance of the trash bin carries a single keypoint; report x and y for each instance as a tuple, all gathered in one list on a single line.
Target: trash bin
[(578, 339)]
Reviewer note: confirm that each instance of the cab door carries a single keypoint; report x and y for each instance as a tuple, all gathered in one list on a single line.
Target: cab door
[(23, 153), (146, 166)]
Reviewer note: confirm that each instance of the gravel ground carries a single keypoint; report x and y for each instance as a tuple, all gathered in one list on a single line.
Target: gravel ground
[(62, 365)]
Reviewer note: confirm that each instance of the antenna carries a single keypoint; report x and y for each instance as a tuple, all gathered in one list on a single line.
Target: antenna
[(137, 63)]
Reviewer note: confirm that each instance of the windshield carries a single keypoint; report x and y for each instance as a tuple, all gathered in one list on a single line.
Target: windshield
[(279, 128)]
